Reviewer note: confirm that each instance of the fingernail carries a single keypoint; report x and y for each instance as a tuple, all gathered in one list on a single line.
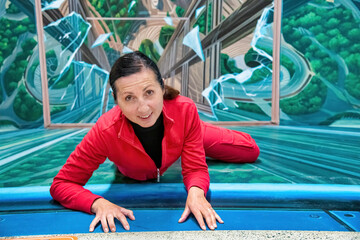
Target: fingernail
[(91, 229), (180, 219), (203, 228), (106, 230), (113, 229), (215, 226), (127, 228)]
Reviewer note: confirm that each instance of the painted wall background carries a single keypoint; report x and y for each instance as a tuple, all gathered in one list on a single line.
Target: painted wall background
[(320, 78)]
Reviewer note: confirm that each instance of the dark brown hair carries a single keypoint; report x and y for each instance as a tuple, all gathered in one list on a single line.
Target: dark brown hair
[(135, 62)]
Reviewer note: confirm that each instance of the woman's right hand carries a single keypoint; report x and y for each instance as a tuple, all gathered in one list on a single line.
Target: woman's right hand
[(106, 212)]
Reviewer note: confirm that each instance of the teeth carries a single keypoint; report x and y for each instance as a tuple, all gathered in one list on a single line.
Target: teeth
[(145, 116)]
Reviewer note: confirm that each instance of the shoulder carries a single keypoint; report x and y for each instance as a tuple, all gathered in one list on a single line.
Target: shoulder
[(179, 106), (180, 101)]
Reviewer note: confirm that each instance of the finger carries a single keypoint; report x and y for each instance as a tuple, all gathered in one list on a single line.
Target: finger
[(110, 220), (199, 219), (184, 215), (104, 224), (128, 213), (123, 221), (218, 218), (213, 218), (93, 223), (209, 218)]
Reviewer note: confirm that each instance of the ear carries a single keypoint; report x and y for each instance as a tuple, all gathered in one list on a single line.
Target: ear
[(115, 101)]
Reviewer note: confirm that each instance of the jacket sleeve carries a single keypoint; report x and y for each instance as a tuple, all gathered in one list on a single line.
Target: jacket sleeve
[(67, 187), (193, 162)]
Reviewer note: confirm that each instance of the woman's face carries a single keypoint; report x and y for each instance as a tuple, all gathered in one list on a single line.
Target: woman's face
[(140, 97)]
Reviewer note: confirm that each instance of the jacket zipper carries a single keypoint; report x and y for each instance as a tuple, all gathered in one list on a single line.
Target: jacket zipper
[(158, 175)]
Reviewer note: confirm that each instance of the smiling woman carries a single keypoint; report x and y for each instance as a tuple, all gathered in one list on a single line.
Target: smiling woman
[(149, 129)]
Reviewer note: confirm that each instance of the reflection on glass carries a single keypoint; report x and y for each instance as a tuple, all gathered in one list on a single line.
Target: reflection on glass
[(192, 40), (101, 39), (63, 40), (78, 95), (51, 4), (243, 92)]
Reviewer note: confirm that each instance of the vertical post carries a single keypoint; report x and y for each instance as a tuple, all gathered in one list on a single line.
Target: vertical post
[(42, 59), (275, 109)]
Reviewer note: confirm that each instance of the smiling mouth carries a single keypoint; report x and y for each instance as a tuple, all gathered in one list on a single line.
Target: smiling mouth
[(145, 117)]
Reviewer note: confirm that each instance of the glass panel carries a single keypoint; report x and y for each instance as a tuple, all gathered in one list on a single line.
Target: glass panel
[(229, 6), (178, 79), (179, 46), (19, 106), (196, 78), (320, 64), (207, 72), (243, 90)]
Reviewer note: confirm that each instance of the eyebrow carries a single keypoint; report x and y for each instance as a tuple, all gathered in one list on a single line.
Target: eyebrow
[(146, 87)]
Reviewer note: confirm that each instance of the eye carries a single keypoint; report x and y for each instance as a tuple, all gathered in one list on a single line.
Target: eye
[(149, 92), (128, 98)]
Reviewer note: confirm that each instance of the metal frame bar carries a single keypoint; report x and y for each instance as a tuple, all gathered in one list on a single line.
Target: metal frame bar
[(42, 59), (275, 107), (134, 18)]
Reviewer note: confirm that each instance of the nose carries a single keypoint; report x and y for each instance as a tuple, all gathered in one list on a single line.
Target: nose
[(143, 107)]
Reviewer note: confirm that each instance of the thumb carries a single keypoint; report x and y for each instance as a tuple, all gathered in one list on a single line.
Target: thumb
[(185, 214)]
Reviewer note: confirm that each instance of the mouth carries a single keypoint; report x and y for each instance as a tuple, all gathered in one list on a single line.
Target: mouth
[(145, 116)]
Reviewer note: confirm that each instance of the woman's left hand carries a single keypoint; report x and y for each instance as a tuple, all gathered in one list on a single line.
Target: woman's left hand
[(197, 204)]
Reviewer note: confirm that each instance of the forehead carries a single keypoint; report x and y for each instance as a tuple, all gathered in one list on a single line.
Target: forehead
[(136, 81)]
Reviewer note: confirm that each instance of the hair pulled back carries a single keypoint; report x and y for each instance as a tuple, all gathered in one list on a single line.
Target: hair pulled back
[(135, 62)]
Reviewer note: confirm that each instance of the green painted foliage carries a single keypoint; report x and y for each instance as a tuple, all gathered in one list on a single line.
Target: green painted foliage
[(250, 107), (228, 65), (25, 106), (165, 34), (117, 8), (9, 32), (179, 11), (307, 101), (66, 79), (147, 47), (17, 68), (12, 9), (335, 29)]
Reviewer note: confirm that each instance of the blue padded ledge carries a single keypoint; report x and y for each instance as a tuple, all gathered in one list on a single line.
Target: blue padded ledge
[(304, 196), (350, 218), (166, 220)]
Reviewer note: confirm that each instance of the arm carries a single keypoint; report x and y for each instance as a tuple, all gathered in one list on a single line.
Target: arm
[(193, 163), (67, 187), (196, 175)]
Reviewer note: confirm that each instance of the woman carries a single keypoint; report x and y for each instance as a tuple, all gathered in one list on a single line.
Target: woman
[(148, 130)]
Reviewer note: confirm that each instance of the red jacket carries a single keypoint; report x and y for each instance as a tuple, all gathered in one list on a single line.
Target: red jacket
[(113, 137)]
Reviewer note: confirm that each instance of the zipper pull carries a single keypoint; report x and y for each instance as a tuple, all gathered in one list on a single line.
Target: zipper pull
[(158, 175)]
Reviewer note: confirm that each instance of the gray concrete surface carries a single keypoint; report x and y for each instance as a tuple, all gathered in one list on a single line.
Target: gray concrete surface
[(218, 235)]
